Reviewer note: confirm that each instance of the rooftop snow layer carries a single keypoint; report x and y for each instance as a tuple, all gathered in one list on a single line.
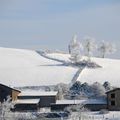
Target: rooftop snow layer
[(38, 93), (84, 101), (27, 101)]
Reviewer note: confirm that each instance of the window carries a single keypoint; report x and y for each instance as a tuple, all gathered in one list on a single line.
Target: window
[(113, 103), (113, 95)]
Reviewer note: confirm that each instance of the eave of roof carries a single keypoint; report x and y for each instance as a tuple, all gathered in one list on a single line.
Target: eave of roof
[(10, 87), (112, 90)]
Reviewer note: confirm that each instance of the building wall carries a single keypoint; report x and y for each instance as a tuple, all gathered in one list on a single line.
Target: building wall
[(96, 107), (92, 107), (116, 100), (4, 92), (45, 101), (15, 95), (58, 107), (26, 107)]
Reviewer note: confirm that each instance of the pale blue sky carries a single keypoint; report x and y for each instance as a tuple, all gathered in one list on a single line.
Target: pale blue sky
[(51, 24)]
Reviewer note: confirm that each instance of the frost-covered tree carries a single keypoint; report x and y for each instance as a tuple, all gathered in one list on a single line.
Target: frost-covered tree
[(98, 90), (60, 94), (89, 46), (76, 111), (74, 50), (106, 48), (5, 108), (107, 86)]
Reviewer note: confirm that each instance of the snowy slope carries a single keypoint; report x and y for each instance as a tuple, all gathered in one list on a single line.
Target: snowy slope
[(60, 56), (27, 68), (20, 67), (110, 70)]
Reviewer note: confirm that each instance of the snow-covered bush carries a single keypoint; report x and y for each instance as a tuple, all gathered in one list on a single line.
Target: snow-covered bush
[(107, 86), (5, 108), (60, 95), (62, 90), (106, 48), (104, 111), (78, 91), (98, 90)]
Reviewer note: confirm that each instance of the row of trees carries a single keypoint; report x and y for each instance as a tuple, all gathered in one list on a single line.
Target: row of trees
[(76, 48)]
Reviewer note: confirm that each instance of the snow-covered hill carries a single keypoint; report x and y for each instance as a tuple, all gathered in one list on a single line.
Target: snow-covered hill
[(109, 70), (20, 67), (27, 68)]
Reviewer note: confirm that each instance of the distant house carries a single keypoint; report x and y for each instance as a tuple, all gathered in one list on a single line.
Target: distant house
[(23, 105), (8, 91), (46, 98), (91, 104), (113, 99)]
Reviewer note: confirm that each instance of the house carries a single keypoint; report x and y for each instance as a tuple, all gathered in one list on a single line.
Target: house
[(91, 104), (113, 99), (34, 100), (8, 91), (46, 98)]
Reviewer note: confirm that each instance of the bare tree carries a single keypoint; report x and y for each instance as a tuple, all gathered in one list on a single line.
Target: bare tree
[(106, 48), (89, 46), (74, 50)]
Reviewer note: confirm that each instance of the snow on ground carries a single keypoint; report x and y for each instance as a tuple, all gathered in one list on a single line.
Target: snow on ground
[(113, 115), (20, 67), (110, 71), (60, 56), (82, 101)]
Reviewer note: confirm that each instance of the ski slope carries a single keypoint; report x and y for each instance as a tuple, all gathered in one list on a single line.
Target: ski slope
[(19, 67)]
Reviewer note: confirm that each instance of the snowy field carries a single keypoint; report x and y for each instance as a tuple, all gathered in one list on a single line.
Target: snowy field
[(109, 71), (20, 67)]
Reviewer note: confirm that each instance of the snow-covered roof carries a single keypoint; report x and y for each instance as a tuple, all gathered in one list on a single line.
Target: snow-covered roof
[(12, 88), (84, 101), (113, 90), (27, 101), (38, 93)]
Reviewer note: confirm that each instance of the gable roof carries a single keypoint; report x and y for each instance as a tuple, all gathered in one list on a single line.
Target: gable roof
[(115, 89), (10, 87)]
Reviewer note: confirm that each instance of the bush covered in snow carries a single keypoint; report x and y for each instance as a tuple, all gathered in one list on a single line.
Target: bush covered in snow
[(78, 90)]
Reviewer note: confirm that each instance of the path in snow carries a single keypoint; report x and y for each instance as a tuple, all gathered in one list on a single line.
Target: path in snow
[(45, 56), (75, 77)]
